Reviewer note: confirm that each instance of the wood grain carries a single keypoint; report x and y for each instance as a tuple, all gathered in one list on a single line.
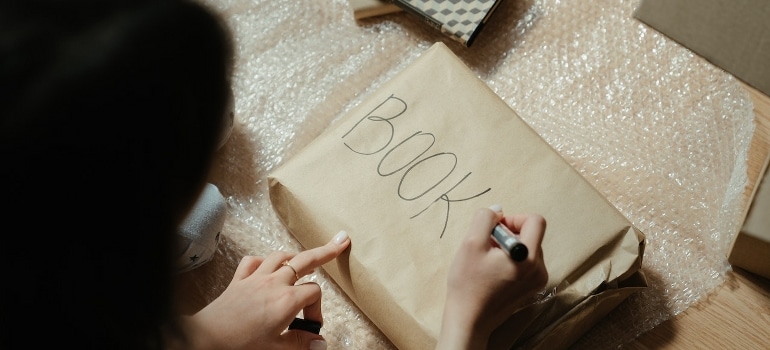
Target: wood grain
[(737, 314)]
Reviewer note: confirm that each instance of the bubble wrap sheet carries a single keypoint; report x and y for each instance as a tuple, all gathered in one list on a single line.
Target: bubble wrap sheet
[(662, 133)]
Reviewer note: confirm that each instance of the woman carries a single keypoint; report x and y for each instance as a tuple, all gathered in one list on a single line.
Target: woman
[(111, 114)]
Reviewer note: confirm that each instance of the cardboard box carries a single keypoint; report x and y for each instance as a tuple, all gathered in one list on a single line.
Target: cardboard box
[(751, 248), (733, 35), (372, 8)]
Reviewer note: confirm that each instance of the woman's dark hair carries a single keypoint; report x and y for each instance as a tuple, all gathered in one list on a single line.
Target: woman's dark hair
[(110, 113)]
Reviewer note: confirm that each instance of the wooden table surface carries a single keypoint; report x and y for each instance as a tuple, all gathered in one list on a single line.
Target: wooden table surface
[(737, 314)]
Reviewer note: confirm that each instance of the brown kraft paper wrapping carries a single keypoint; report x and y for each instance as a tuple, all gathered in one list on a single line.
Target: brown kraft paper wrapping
[(404, 172)]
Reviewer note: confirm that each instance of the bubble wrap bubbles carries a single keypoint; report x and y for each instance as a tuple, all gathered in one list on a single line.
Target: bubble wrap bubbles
[(659, 131)]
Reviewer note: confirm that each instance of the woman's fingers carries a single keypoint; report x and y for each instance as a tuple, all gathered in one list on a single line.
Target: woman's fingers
[(247, 266), (483, 223), (294, 265), (529, 227), (305, 262), (273, 261), (310, 295)]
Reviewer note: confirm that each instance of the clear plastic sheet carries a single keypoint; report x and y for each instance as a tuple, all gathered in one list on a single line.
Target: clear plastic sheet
[(662, 133)]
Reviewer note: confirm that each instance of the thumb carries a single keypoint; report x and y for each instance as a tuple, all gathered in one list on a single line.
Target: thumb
[(305, 340)]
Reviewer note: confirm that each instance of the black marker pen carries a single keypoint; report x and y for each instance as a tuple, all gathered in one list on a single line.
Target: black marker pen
[(306, 325), (508, 242)]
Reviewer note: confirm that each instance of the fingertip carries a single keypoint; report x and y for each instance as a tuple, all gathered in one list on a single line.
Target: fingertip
[(341, 237), (541, 221), (498, 210), (301, 339), (251, 261), (247, 266), (317, 344), (493, 213)]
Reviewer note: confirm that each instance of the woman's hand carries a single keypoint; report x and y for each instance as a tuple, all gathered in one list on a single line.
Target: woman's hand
[(262, 300), (485, 286)]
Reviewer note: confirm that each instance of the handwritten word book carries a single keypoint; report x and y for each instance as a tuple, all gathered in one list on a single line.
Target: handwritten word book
[(404, 171)]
